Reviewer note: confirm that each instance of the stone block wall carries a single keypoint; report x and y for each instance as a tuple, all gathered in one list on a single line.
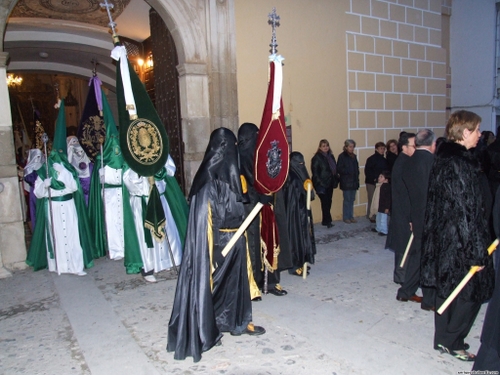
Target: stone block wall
[(396, 67)]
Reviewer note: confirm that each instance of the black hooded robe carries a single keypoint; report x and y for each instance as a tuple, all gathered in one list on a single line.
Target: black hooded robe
[(212, 294), (302, 245)]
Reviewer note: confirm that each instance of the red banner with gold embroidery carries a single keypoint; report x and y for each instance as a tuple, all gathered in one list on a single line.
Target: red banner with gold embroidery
[(271, 154)]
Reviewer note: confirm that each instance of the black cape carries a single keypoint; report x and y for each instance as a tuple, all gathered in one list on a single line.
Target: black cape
[(212, 294), (302, 246)]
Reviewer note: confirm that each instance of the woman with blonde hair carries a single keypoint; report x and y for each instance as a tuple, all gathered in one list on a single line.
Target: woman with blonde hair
[(456, 236)]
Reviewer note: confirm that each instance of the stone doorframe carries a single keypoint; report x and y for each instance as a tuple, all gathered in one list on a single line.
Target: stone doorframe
[(203, 31), (205, 42)]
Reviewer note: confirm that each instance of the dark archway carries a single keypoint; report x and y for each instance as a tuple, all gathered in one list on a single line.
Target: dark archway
[(166, 88)]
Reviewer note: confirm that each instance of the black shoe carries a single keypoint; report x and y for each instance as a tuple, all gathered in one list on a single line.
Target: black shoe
[(374, 230), (257, 299), (382, 234), (250, 330), (329, 225), (430, 308), (278, 291)]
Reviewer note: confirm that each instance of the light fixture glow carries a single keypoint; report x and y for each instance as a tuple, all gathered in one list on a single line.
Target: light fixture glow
[(13, 80)]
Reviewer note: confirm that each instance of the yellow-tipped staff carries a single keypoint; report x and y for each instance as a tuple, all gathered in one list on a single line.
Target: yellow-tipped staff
[(308, 187), (465, 280), (405, 255), (245, 223), (242, 228)]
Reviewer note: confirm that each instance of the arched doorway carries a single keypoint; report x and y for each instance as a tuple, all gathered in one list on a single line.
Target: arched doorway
[(204, 42)]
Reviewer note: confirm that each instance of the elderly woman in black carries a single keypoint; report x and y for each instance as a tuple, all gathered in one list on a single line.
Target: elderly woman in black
[(324, 177), (455, 235)]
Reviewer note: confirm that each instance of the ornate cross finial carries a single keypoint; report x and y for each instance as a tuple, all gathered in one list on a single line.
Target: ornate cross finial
[(94, 64), (274, 21), (108, 7)]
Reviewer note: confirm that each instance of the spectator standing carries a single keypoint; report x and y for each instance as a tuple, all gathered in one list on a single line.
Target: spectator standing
[(375, 164), (391, 153), (325, 179), (384, 203), (348, 169)]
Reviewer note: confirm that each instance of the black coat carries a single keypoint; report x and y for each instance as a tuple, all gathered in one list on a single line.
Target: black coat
[(391, 159), (375, 165), (456, 235), (399, 226), (348, 169), (322, 175), (416, 179), (384, 200)]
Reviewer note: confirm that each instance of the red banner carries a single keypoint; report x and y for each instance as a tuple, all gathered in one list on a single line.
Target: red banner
[(271, 154)]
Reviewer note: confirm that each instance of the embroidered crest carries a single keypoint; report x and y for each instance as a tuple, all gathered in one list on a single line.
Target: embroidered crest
[(273, 163), (144, 141), (91, 135)]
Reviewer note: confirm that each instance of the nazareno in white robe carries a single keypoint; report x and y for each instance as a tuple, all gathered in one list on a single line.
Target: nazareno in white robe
[(69, 253), (157, 258), (113, 207)]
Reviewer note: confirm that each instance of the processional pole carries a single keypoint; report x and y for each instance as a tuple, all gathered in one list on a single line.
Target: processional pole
[(45, 139), (131, 105)]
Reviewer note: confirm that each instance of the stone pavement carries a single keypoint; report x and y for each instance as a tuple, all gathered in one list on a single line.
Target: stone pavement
[(343, 319)]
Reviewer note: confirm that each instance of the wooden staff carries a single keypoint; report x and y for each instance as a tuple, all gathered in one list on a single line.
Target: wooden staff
[(103, 192), (403, 260), (242, 228), (465, 280), (45, 139), (308, 186)]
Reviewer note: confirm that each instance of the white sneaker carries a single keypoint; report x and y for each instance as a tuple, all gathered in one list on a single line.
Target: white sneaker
[(81, 273), (150, 278), (119, 257)]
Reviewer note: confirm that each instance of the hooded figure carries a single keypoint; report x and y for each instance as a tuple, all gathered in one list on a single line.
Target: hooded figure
[(109, 208), (62, 238), (212, 294), (81, 162), (35, 160), (299, 225), (247, 140)]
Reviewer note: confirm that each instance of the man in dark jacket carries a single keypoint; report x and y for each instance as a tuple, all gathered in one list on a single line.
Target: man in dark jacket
[(416, 179), (399, 226), (375, 165)]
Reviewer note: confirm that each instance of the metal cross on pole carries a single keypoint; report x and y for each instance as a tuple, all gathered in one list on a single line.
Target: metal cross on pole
[(274, 21), (94, 63), (108, 7)]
